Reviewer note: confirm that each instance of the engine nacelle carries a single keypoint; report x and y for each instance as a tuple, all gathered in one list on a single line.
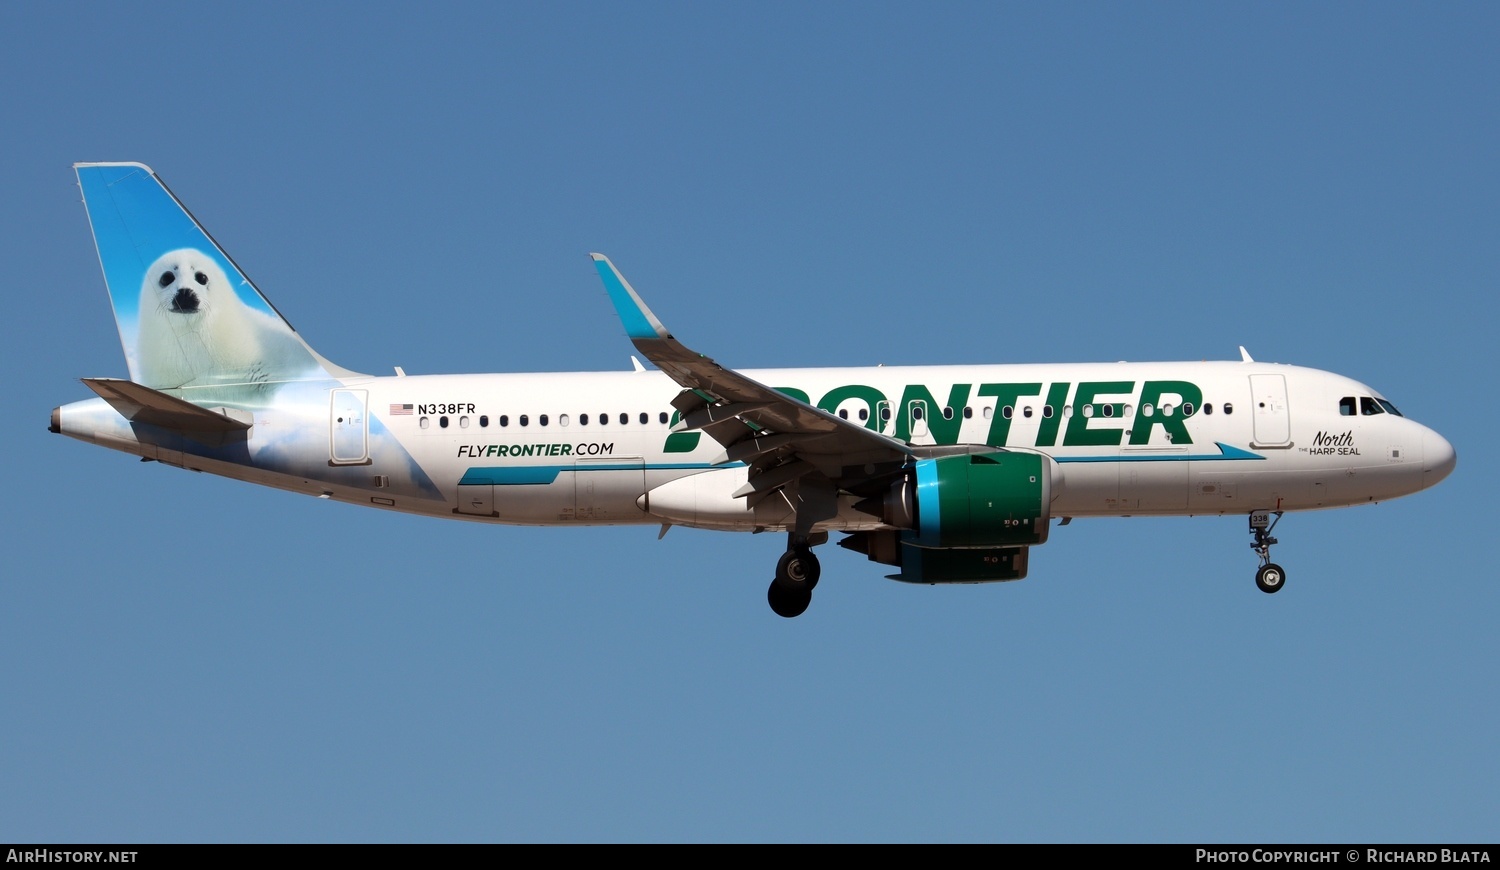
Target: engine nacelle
[(927, 565), (975, 500)]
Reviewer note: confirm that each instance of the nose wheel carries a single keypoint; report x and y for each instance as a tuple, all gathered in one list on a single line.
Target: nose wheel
[(1270, 577)]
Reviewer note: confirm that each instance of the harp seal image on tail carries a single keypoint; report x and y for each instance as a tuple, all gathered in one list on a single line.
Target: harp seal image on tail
[(196, 330)]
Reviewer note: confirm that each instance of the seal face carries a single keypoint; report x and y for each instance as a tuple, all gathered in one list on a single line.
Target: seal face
[(184, 298)]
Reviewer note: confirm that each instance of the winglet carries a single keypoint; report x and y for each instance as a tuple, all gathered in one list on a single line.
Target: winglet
[(638, 319)]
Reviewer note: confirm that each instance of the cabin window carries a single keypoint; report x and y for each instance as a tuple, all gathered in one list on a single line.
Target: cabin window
[(1208, 409), (885, 413), (1127, 409), (1109, 410), (988, 412), (1166, 410), (843, 414), (1026, 412), (1148, 410), (524, 420), (541, 420), (624, 418), (562, 419), (645, 418), (916, 412), (1088, 410), (603, 419), (1067, 410), (1228, 408), (1007, 412), (968, 413), (443, 421), (424, 422), (463, 422), (947, 413), (583, 419), (484, 421), (1046, 410), (504, 420), (864, 414), (1187, 409), (662, 418)]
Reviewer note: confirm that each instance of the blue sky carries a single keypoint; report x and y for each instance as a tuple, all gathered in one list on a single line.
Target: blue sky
[(188, 659)]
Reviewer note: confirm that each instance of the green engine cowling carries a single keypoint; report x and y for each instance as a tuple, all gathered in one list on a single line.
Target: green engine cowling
[(981, 500), (968, 518)]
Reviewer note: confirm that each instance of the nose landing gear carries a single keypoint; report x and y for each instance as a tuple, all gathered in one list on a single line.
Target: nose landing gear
[(1270, 577)]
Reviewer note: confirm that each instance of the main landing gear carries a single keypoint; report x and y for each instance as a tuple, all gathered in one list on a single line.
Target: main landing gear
[(1269, 577), (796, 576)]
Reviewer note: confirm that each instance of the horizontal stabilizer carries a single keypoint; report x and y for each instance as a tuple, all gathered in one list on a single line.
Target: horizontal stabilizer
[(140, 404)]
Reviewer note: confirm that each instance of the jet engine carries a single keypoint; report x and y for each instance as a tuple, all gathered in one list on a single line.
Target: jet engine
[(963, 519)]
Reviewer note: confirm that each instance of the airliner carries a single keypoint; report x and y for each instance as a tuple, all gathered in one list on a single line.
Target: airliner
[(946, 474)]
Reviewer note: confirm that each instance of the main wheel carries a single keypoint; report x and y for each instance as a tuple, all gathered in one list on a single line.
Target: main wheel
[(787, 602), (1270, 578), (798, 569)]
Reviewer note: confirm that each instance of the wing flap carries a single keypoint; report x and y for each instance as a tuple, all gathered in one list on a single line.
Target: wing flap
[(715, 413)]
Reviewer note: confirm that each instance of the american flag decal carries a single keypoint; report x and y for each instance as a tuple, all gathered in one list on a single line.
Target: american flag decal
[(401, 410)]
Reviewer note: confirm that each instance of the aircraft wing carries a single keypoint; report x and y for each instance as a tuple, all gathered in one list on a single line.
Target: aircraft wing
[(780, 437)]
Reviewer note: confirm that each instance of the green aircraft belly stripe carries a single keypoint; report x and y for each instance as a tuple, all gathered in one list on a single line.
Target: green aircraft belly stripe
[(1226, 452), (524, 475), (541, 475)]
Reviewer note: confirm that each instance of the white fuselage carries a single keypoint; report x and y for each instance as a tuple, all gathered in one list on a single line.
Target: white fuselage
[(598, 447)]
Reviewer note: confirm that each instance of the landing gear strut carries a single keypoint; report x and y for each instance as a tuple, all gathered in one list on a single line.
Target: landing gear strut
[(797, 574), (1269, 577)]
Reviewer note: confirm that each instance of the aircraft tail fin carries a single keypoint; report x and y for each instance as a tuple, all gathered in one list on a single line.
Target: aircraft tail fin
[(188, 317)]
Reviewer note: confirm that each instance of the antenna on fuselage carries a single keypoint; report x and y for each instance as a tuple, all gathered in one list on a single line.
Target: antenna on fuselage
[(1245, 355)]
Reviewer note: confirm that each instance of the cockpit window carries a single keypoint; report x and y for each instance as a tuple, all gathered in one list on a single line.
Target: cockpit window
[(1346, 406), (1368, 407), (1391, 409)]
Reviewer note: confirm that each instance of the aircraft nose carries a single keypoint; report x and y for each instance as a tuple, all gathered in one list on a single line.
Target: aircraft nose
[(1438, 458)]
